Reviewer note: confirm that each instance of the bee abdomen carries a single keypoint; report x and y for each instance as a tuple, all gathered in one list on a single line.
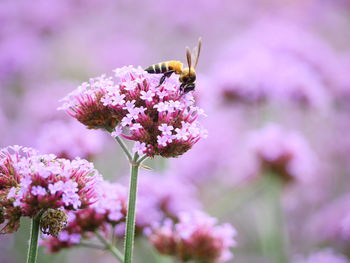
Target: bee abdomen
[(158, 68)]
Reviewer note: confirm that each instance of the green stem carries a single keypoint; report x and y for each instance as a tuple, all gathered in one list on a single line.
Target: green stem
[(130, 217), (124, 148), (273, 233), (122, 145), (113, 236), (110, 247), (140, 161), (34, 236)]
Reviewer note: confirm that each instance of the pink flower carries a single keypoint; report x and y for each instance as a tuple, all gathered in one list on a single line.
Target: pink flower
[(146, 112), (108, 210), (87, 104), (195, 237), (285, 153), (166, 129), (162, 140), (38, 190), (147, 95), (117, 131), (31, 182), (139, 147)]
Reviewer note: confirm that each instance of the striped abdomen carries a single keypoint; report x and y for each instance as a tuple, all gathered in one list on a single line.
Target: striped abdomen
[(165, 67)]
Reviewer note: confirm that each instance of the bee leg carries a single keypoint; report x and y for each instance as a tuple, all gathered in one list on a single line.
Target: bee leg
[(182, 89), (188, 89), (165, 75), (185, 88)]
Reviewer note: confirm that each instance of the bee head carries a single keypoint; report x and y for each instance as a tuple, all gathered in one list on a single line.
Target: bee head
[(187, 75)]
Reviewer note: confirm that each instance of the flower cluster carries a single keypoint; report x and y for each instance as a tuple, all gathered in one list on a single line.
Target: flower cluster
[(31, 183), (157, 202), (195, 237), (133, 105), (284, 153), (109, 210)]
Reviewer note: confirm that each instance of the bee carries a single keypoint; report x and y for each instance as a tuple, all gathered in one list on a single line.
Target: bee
[(187, 75)]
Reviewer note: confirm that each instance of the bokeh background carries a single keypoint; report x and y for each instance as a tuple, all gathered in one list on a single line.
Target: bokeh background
[(273, 78)]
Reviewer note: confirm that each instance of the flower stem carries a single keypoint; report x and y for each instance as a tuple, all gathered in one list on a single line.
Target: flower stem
[(124, 148), (34, 236), (272, 229), (142, 159), (113, 236), (122, 145), (110, 247), (130, 217)]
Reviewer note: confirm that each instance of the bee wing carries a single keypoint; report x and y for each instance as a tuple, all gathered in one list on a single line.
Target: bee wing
[(196, 52)]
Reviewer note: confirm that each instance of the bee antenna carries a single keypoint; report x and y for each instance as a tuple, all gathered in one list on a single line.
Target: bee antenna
[(189, 58), (198, 52)]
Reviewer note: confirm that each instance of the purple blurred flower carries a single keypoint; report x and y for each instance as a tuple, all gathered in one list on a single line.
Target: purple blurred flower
[(323, 256), (345, 226), (283, 152), (163, 196), (31, 182), (38, 19), (46, 17), (123, 103), (278, 61), (16, 61), (48, 94), (3, 124), (331, 222), (195, 237), (342, 91), (68, 140), (211, 156)]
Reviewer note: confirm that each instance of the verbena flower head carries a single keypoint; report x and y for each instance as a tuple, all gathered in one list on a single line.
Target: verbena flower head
[(195, 237), (324, 256), (131, 104), (284, 153), (109, 210), (30, 183)]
